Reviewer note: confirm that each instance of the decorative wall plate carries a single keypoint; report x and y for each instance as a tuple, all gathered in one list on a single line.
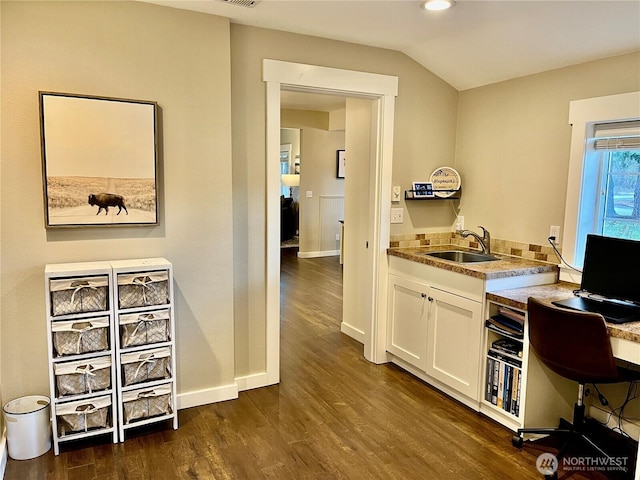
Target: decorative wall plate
[(446, 182)]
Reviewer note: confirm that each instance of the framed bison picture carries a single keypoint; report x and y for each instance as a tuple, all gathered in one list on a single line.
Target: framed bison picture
[(99, 161)]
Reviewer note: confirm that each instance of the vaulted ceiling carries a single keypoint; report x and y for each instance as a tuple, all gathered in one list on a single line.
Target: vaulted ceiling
[(475, 43)]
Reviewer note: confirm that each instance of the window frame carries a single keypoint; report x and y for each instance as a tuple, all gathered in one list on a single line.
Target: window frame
[(583, 115)]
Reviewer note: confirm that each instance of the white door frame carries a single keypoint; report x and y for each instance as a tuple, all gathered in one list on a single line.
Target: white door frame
[(348, 83)]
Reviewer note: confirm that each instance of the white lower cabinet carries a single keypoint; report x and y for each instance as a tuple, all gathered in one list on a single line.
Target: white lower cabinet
[(407, 326), (437, 331), (454, 336)]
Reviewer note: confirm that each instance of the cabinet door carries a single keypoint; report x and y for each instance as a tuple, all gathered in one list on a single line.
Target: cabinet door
[(454, 337), (407, 325)]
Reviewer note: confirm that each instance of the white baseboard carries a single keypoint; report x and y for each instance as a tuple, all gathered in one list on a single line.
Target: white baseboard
[(4, 453), (209, 395), (224, 393), (326, 253), (256, 380), (352, 332)]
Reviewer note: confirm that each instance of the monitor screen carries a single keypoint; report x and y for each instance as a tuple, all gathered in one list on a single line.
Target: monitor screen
[(612, 268)]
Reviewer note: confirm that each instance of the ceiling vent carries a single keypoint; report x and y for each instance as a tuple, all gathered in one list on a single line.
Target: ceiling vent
[(242, 3)]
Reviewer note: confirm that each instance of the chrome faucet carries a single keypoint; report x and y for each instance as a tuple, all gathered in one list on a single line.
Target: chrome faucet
[(484, 241)]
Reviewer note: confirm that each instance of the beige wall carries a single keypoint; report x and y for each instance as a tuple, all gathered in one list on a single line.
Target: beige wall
[(317, 170), (133, 50), (513, 145), (424, 139)]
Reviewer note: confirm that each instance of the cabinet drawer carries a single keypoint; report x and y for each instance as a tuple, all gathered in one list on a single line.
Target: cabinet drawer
[(79, 295), (146, 403), (146, 366), (82, 376), (143, 289), (75, 337), (144, 328), (83, 416)]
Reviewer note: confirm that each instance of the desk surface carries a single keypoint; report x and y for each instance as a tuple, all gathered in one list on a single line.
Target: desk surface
[(517, 298)]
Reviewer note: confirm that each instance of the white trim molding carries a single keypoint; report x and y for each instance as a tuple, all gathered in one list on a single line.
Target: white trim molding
[(312, 78), (582, 115), (207, 396)]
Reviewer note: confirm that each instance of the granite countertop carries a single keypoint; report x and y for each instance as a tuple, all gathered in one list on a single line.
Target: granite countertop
[(507, 266), (517, 298)]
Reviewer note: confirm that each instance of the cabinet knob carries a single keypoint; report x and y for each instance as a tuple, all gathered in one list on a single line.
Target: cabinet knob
[(423, 295), (430, 299)]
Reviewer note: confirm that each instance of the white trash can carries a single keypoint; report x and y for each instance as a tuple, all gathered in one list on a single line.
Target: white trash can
[(28, 426)]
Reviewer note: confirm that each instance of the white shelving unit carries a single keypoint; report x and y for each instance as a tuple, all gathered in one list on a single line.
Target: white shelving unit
[(145, 342), (82, 362), (111, 343), (557, 392), (506, 402)]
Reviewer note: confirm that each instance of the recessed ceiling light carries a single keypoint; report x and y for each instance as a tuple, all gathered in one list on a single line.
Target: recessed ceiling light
[(434, 5)]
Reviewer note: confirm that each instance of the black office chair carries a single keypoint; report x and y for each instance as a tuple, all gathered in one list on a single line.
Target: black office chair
[(575, 345)]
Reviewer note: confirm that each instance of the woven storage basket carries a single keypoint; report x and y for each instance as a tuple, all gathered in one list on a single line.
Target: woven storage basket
[(83, 376), (144, 328), (146, 403), (79, 295), (143, 289), (84, 415), (146, 366), (73, 337)]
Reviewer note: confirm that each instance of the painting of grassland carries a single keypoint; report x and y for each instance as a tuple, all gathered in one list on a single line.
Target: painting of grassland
[(99, 160), (68, 200)]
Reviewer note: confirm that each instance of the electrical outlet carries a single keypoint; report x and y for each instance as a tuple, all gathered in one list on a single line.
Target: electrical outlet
[(337, 236), (554, 231), (309, 193), (397, 215), (460, 222)]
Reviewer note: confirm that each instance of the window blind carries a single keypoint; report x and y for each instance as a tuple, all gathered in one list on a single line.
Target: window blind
[(617, 136)]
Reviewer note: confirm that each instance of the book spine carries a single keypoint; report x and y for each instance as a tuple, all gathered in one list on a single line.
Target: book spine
[(489, 379), (518, 396), (500, 384), (508, 372), (494, 383), (514, 390)]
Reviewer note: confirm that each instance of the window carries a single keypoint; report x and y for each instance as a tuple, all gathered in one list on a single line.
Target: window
[(617, 147), (603, 186)]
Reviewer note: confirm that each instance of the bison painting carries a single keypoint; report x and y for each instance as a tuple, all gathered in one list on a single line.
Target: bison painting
[(106, 200)]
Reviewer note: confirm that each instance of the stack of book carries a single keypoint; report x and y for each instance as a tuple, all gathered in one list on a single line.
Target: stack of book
[(504, 361), (507, 322), (504, 375)]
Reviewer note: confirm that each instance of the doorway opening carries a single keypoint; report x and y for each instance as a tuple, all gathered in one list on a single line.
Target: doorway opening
[(380, 91)]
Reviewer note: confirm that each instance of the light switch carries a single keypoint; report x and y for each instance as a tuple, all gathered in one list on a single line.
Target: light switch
[(395, 196), (309, 194)]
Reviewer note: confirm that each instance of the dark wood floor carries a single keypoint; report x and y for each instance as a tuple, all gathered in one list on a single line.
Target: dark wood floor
[(333, 416)]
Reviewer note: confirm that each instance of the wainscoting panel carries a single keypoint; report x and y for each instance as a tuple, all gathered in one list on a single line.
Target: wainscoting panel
[(331, 212)]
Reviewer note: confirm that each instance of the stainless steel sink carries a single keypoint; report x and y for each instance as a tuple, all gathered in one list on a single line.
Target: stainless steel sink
[(462, 257)]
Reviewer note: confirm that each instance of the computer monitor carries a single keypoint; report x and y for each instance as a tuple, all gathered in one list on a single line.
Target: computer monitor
[(612, 268)]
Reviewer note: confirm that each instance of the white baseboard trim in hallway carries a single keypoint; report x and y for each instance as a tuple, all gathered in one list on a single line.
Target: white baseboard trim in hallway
[(326, 253)]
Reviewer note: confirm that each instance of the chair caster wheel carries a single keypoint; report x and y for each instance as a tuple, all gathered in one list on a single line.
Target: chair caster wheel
[(516, 441)]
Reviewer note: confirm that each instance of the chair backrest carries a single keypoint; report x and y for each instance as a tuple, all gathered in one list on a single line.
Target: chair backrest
[(571, 343)]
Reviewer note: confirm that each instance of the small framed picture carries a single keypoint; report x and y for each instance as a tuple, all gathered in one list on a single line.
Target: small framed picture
[(423, 189)]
